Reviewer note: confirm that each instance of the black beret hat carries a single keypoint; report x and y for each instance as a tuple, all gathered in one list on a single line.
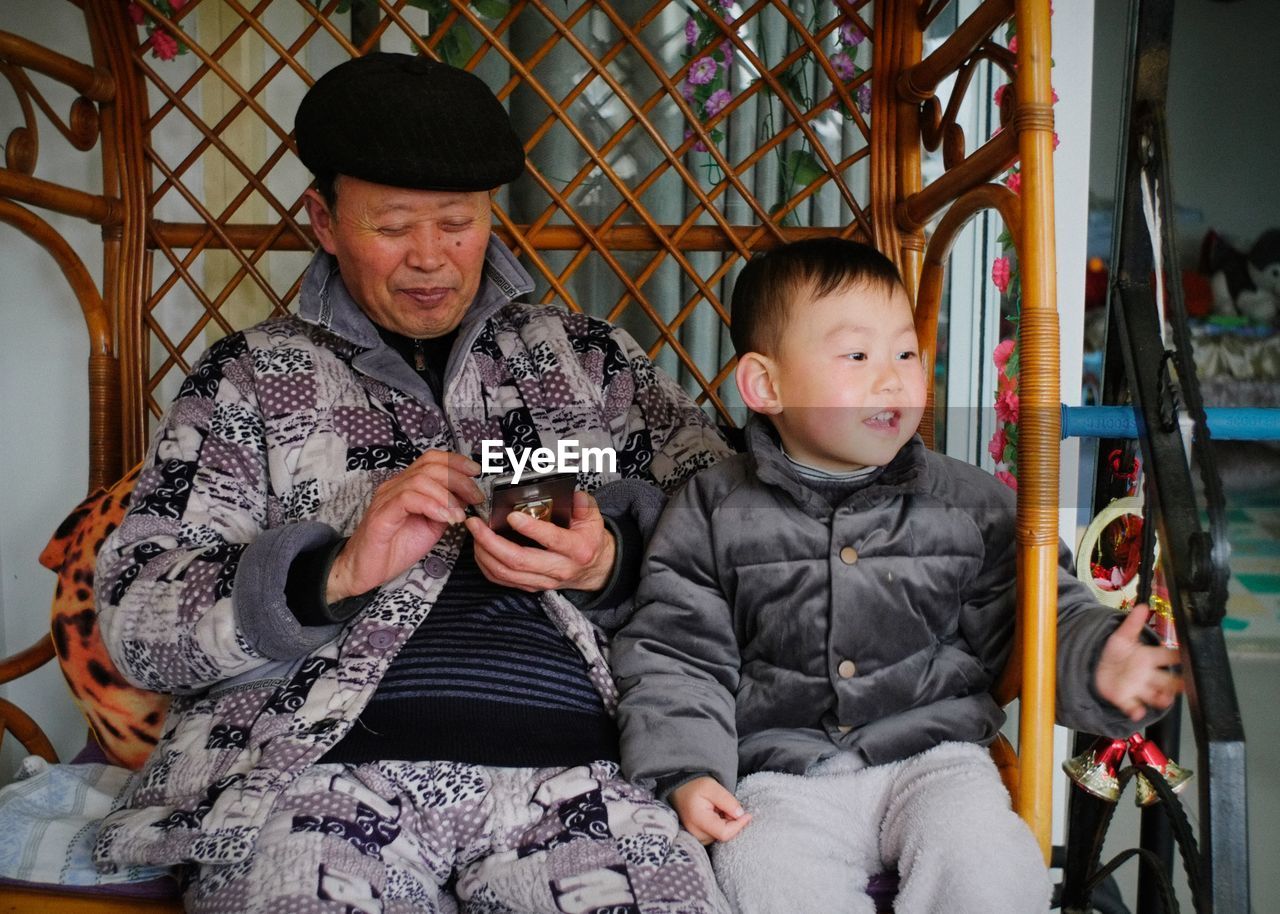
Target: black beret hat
[(407, 121)]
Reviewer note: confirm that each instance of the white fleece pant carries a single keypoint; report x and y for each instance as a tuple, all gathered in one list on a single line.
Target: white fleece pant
[(942, 818)]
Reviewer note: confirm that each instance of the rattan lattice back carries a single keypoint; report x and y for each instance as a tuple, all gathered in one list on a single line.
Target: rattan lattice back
[(666, 141)]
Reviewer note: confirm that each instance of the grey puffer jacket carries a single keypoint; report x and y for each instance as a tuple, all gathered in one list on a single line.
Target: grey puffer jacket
[(275, 444), (773, 631)]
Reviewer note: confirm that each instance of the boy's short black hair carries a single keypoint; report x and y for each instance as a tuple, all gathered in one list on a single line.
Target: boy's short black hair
[(772, 283)]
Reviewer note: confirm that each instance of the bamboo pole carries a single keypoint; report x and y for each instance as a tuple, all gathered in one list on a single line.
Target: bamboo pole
[(1037, 524)]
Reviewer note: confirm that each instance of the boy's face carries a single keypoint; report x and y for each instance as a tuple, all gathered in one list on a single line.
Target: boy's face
[(848, 381)]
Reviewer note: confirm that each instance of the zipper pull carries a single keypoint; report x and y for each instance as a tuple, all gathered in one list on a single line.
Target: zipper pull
[(419, 356)]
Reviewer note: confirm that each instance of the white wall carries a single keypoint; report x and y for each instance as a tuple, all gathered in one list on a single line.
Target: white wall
[(43, 369), (1223, 116)]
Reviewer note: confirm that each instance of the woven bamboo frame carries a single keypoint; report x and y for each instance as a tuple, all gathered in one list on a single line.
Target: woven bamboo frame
[(152, 258)]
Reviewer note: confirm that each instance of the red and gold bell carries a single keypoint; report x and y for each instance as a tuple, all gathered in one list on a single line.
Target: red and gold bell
[(1144, 752), (1095, 769)]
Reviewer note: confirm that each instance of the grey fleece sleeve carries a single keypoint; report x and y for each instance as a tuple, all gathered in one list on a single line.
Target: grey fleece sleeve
[(676, 659), (258, 599), (990, 610), (630, 508)]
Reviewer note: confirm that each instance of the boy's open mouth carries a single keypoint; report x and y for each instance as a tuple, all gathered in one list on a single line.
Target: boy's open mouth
[(885, 421)]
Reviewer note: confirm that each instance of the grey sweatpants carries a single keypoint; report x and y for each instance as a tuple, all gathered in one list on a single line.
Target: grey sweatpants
[(942, 818), (435, 837)]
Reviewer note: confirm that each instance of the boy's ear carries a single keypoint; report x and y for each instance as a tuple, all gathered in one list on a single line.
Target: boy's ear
[(755, 379)]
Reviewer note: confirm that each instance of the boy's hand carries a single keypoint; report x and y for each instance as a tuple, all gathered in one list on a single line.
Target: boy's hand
[(708, 811), (1135, 676)]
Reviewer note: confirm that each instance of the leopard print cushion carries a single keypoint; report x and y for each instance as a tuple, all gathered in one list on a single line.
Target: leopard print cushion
[(125, 719)]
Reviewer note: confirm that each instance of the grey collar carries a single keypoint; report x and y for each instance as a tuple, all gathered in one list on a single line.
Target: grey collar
[(907, 471)]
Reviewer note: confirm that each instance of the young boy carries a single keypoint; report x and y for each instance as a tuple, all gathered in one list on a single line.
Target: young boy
[(825, 614)]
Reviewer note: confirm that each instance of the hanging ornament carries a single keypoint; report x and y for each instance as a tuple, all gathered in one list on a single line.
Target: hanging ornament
[(1112, 547), (1144, 752), (1097, 769)]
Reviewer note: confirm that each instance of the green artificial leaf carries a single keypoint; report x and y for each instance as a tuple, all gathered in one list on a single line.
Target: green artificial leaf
[(431, 6), (1010, 455), (456, 47), (793, 81), (1005, 240), (491, 9), (803, 167)]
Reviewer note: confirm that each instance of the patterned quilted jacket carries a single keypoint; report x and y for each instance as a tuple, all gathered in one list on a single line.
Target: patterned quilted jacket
[(277, 439)]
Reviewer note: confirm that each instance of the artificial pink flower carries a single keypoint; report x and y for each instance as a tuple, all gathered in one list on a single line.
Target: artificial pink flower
[(136, 14), (1007, 406), (850, 34), (1002, 352), (1013, 45), (843, 65), (702, 71), (1014, 182), (997, 444), (698, 146), (1008, 479), (1056, 141), (1055, 95), (726, 51), (177, 4), (716, 102), (864, 98), (999, 93), (163, 45), (1000, 273), (691, 32)]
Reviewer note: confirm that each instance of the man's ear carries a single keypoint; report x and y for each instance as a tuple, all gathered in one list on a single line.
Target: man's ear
[(321, 219), (755, 379)]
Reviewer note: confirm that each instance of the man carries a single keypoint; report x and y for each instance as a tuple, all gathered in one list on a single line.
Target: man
[(381, 704)]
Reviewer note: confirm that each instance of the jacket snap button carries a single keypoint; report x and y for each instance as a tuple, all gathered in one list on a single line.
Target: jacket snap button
[(436, 566), (381, 639), (846, 669), (848, 555), (844, 728)]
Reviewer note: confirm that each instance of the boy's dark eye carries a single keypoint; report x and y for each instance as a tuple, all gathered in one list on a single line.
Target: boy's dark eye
[(907, 356), (856, 356)]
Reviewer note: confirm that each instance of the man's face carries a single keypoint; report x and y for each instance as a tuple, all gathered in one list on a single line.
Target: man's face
[(849, 379), (412, 259)]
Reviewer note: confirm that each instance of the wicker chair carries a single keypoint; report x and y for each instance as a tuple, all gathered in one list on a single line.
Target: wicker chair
[(643, 197)]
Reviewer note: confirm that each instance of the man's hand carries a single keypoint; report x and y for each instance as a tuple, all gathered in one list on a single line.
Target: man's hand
[(1135, 676), (708, 811), (580, 558), (407, 517)]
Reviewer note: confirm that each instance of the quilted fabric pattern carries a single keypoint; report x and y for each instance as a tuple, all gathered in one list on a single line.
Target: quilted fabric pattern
[(125, 719)]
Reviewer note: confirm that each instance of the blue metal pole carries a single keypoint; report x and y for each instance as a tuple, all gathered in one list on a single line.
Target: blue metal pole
[(1225, 423)]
